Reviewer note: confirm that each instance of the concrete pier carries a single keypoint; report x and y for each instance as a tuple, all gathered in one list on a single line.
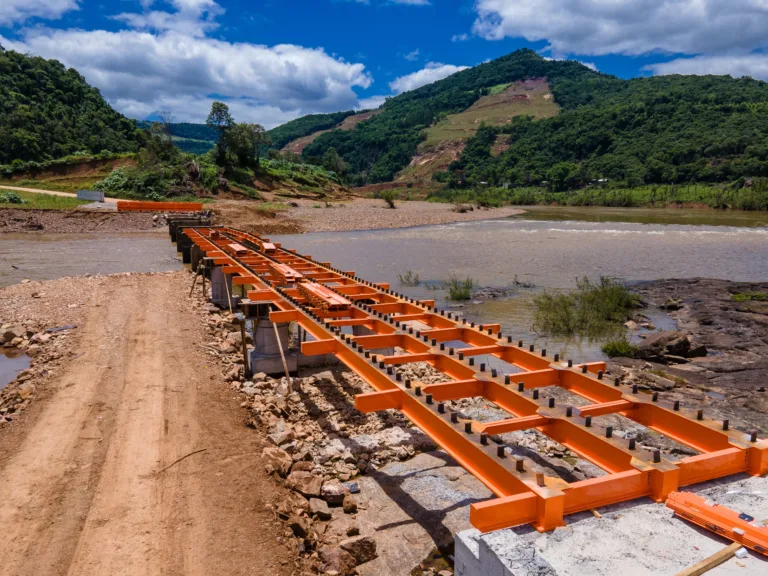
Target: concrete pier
[(221, 289)]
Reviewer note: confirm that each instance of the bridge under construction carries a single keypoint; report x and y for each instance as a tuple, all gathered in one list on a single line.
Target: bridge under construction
[(282, 286)]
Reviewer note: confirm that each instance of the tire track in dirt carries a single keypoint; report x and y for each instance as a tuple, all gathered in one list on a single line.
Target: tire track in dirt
[(87, 495)]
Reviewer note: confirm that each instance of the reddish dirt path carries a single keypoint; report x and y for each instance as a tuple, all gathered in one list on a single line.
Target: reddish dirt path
[(84, 487)]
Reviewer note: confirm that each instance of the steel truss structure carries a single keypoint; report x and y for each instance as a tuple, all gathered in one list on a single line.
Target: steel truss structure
[(323, 299)]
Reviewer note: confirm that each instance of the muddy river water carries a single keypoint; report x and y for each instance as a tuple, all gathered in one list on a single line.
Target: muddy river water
[(547, 247)]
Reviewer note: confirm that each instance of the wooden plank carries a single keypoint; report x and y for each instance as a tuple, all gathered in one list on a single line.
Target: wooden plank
[(708, 563)]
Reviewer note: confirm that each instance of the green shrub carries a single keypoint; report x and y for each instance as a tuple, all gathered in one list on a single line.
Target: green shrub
[(10, 198), (460, 289), (389, 197), (749, 296), (590, 310), (619, 347)]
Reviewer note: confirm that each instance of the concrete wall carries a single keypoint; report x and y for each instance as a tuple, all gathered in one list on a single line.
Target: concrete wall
[(500, 553), (92, 195)]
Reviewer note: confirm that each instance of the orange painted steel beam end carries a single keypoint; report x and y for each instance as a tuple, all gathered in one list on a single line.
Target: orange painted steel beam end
[(319, 347), (723, 521), (758, 458), (377, 401), (284, 316), (545, 513)]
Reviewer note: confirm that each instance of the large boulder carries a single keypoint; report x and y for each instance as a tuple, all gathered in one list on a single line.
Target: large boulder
[(334, 492), (279, 460), (361, 548), (306, 483), (319, 508), (662, 344), (335, 559), (13, 332)]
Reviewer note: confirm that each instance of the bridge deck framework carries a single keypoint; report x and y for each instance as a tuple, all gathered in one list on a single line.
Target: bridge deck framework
[(323, 300)]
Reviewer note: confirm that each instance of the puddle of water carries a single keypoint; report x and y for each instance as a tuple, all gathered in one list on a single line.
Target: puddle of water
[(11, 363), (50, 256)]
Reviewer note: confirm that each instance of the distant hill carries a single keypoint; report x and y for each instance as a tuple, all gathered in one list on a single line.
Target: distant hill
[(521, 120), (348, 123), (189, 137), (305, 126), (48, 111)]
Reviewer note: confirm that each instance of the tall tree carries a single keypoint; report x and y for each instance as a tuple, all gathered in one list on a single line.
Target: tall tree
[(220, 120)]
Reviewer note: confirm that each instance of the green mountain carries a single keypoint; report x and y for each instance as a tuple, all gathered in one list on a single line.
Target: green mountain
[(586, 126), (48, 111)]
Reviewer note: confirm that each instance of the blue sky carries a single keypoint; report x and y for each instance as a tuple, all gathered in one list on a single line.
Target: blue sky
[(275, 60)]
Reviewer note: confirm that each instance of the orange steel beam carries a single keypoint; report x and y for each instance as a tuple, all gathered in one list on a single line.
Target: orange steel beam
[(137, 206), (740, 528), (525, 494)]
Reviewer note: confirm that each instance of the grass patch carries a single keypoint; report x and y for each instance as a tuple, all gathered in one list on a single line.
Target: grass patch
[(410, 278), (619, 347), (719, 196), (460, 289), (591, 310), (32, 201), (272, 206), (749, 297), (495, 109)]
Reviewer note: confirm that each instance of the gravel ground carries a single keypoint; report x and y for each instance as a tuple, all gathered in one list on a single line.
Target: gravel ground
[(75, 221)]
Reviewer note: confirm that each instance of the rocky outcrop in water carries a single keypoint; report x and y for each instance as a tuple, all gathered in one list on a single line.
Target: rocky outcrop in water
[(725, 359)]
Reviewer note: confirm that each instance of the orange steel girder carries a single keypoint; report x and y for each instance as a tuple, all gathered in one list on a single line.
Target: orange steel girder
[(525, 494)]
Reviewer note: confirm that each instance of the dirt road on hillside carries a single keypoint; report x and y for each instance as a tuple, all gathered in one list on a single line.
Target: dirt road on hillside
[(95, 481), (51, 192)]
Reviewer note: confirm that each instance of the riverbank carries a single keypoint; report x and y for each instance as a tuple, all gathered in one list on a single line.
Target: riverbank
[(354, 214), (273, 217), (726, 323)]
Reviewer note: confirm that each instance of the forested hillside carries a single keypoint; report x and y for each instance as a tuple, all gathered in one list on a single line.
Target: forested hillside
[(667, 129), (305, 126), (670, 129), (48, 111)]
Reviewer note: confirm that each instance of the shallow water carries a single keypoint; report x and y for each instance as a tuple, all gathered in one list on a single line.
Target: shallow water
[(693, 217), (11, 363), (550, 253), (49, 256)]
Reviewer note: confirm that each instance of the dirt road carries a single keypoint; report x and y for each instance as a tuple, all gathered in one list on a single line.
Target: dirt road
[(51, 192), (94, 479)]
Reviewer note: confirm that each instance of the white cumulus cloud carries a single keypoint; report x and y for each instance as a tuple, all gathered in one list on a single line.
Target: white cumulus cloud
[(754, 65), (632, 27), (166, 62), (432, 72), (18, 11)]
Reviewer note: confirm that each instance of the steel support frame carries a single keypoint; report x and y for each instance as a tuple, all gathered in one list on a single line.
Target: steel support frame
[(525, 494)]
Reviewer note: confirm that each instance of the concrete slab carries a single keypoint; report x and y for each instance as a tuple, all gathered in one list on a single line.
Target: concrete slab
[(632, 539), (108, 206)]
